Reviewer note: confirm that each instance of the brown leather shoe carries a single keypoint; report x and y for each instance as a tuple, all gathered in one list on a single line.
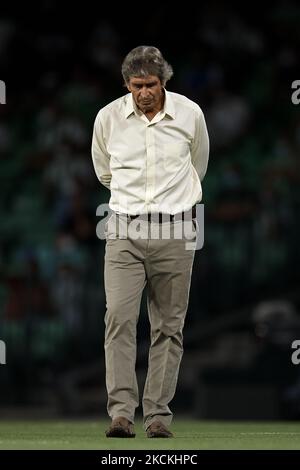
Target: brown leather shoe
[(120, 427), (158, 429)]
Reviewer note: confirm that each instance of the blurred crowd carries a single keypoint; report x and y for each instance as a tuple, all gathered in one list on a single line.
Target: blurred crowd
[(238, 65)]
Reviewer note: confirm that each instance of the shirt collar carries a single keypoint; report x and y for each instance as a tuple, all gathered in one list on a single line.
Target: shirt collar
[(169, 109), (129, 106)]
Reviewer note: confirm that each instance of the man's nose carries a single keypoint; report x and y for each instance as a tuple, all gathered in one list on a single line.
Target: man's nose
[(144, 92)]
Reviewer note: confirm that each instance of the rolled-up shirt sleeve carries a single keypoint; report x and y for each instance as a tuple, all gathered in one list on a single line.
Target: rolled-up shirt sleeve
[(100, 156), (200, 146)]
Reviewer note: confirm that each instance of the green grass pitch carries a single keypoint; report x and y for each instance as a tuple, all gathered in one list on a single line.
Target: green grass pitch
[(197, 435)]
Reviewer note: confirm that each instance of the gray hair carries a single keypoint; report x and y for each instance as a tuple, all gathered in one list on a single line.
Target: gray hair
[(143, 61)]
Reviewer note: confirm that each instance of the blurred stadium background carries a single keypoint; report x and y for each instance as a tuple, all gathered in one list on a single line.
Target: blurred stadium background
[(61, 65)]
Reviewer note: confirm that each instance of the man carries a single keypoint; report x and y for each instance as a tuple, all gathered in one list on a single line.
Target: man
[(150, 148)]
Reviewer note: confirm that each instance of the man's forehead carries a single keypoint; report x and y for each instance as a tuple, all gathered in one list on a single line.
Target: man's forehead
[(144, 80)]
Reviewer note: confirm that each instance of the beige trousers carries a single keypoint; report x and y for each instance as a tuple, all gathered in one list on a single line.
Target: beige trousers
[(165, 265)]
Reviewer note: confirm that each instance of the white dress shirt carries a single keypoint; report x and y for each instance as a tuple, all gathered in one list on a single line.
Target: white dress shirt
[(151, 166)]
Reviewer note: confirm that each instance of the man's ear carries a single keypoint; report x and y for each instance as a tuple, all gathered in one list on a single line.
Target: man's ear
[(128, 86)]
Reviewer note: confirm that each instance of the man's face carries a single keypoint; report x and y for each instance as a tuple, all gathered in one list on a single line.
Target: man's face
[(147, 93)]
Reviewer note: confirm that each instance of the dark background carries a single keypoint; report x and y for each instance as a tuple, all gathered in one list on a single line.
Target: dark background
[(61, 64)]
